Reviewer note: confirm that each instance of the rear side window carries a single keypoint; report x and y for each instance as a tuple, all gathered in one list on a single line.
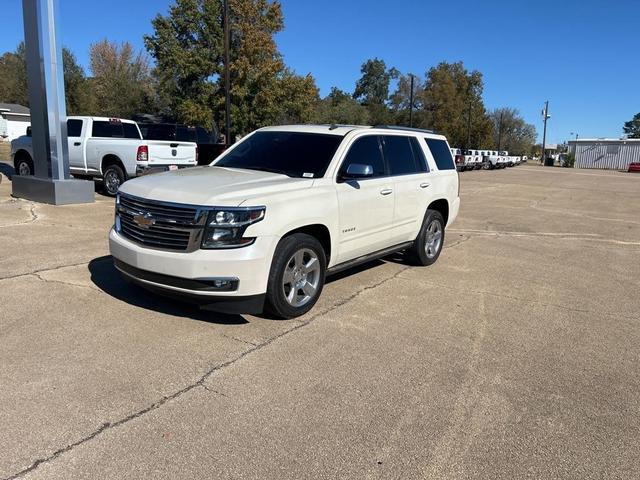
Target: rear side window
[(399, 155), (418, 155), (74, 127), (107, 129), (131, 131), (441, 154), (161, 131), (185, 134), (365, 151)]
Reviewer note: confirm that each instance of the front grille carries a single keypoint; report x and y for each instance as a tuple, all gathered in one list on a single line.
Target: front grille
[(159, 225)]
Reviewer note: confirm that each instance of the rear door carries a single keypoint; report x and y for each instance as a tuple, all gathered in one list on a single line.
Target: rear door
[(443, 177), (366, 205), (412, 186)]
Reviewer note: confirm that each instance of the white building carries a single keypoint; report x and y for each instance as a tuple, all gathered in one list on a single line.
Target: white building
[(14, 120)]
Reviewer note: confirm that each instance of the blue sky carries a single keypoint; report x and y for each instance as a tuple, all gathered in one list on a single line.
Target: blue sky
[(580, 55)]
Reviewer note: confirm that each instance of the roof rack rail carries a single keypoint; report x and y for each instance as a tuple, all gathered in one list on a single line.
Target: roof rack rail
[(409, 129)]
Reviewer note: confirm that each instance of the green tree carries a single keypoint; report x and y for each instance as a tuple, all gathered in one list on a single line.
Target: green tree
[(632, 127), (517, 136), (121, 82), (340, 107), (13, 80), (451, 95), (372, 89), (187, 48), (187, 45), (13, 77)]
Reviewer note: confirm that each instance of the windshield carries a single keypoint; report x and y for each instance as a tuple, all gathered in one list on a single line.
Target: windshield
[(295, 154)]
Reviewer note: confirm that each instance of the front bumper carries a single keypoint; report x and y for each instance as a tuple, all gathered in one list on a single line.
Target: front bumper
[(188, 274)]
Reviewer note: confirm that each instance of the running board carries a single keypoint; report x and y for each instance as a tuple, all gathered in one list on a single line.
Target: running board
[(367, 258)]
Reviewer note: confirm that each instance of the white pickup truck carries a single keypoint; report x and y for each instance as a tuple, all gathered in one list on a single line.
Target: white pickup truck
[(110, 150)]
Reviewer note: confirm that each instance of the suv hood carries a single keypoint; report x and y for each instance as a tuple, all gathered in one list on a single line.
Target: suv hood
[(211, 186)]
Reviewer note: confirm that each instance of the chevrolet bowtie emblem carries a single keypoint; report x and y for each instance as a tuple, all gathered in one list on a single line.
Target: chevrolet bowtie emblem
[(144, 220)]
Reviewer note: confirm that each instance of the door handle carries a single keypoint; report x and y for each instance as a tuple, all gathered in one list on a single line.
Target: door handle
[(76, 144), (386, 191), (425, 185)]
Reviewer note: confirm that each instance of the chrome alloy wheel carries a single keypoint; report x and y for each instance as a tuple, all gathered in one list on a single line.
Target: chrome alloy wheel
[(24, 169), (433, 238), (301, 278), (111, 182)]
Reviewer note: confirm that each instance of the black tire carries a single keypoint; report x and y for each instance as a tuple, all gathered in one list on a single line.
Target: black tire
[(276, 302), (418, 253), (113, 177), (24, 164)]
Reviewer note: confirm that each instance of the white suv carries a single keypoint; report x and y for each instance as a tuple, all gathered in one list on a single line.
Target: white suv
[(261, 227)]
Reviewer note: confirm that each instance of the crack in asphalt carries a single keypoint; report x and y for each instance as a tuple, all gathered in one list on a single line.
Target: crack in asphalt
[(71, 284), (527, 300), (200, 382), (32, 213), (588, 237), (45, 270)]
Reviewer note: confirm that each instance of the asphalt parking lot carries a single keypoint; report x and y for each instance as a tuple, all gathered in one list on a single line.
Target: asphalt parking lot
[(515, 356)]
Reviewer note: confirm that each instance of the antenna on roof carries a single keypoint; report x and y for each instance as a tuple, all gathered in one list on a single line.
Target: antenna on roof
[(333, 126)]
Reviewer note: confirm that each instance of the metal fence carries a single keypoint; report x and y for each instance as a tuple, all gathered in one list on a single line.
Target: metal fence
[(605, 154)]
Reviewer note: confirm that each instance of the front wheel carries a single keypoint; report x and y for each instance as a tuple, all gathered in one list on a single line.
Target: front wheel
[(297, 276), (428, 245)]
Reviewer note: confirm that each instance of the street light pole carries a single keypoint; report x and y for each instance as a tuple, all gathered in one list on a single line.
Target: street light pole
[(411, 103), (546, 116), (227, 76)]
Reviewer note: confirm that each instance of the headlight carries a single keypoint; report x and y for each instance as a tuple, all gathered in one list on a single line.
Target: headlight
[(226, 226)]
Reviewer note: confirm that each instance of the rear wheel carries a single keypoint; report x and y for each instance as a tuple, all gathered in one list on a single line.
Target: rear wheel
[(24, 166), (297, 276), (428, 245), (113, 177)]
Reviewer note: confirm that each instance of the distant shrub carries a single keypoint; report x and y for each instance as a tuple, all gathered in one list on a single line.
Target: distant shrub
[(569, 160)]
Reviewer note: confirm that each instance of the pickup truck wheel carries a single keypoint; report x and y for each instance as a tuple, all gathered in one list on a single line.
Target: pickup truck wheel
[(427, 247), (297, 276), (24, 167), (113, 177)]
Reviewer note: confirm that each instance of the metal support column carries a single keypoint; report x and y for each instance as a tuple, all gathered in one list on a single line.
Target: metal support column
[(52, 182)]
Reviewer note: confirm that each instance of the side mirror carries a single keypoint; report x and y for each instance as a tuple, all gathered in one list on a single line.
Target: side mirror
[(358, 170), (28, 131)]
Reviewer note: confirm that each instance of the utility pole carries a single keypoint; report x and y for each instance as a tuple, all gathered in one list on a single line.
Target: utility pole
[(227, 76), (411, 103), (546, 116), (500, 133), (468, 126)]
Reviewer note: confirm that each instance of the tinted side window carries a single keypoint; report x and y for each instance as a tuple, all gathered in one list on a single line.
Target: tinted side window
[(203, 135), (418, 154), (441, 154), (399, 155), (161, 132), (365, 151), (131, 131), (74, 128), (185, 134), (107, 130)]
